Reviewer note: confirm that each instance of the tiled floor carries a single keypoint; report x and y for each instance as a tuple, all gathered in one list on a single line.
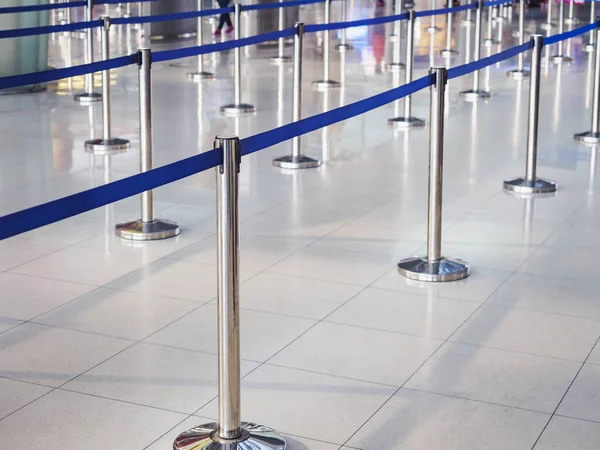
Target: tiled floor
[(108, 344)]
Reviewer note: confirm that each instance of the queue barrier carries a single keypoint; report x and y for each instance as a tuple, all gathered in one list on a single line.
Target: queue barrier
[(34, 8)]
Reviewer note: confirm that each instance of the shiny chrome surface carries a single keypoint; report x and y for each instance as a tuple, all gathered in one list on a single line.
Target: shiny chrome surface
[(205, 437), (89, 96), (296, 162), (233, 110), (137, 230), (396, 63), (200, 73), (326, 83), (560, 57), (107, 146), (588, 137), (523, 186), (343, 46), (280, 58), (448, 52), (446, 269), (476, 93), (406, 122), (592, 136)]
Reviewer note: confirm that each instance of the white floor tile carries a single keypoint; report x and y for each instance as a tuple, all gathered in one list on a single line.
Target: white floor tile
[(595, 355), (531, 332), (564, 433), (562, 262), (18, 251), (582, 400), (423, 421), (16, 394)]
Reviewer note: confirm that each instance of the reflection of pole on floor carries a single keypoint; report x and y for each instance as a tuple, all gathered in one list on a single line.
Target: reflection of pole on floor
[(200, 73), (560, 57), (448, 52), (434, 267), (89, 96), (593, 136), (326, 83), (281, 58), (530, 184), (476, 93)]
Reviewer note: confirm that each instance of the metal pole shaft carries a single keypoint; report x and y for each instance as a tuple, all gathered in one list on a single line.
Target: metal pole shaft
[(409, 61), (199, 38), (596, 99), (89, 48), (521, 56), (228, 289), (344, 18), (106, 134), (237, 55), (561, 24), (489, 23), (326, 41), (436, 163), (145, 87), (449, 28), (571, 9), (549, 16), (592, 20), (297, 84), (281, 41), (397, 32), (477, 42), (534, 105)]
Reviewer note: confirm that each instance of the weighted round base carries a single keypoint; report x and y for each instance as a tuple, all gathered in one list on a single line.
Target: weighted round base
[(136, 230), (588, 48), (588, 137), (296, 162), (448, 53), (406, 122), (517, 74), (433, 30), (392, 37), (443, 270), (106, 146), (237, 110), (572, 20), (490, 41), (561, 59), (547, 25), (279, 60), (205, 437), (344, 47), (467, 23), (88, 97), (199, 76), (325, 85), (395, 66), (500, 19), (126, 16), (516, 34), (523, 186), (473, 95)]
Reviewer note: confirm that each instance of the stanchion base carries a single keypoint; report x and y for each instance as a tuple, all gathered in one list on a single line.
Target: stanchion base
[(490, 41), (448, 53), (467, 23), (525, 187), (406, 122), (296, 162), (395, 66), (237, 110), (344, 47), (325, 85), (278, 60), (562, 59), (392, 37), (547, 25), (516, 34), (588, 137), (199, 76), (106, 146), (589, 48), (572, 20), (517, 74), (433, 30), (88, 97), (136, 230), (204, 437), (443, 270), (500, 19), (472, 95)]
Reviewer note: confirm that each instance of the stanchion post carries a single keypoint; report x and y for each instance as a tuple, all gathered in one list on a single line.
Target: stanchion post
[(127, 10), (592, 137), (468, 20), (476, 93), (200, 73), (560, 57), (326, 83), (230, 433), (396, 64), (108, 144), (89, 96), (297, 160), (343, 45), (517, 33), (281, 58), (519, 73), (571, 19), (147, 228), (489, 41), (433, 28), (448, 52), (548, 25), (530, 184), (434, 267), (237, 108), (589, 47)]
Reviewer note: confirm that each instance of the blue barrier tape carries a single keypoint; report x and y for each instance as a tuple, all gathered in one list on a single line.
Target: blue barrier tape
[(168, 55), (170, 17), (35, 31), (67, 72), (459, 71), (63, 208), (570, 34), (269, 138), (496, 3), (116, 2), (437, 12), (277, 5), (20, 9), (313, 28)]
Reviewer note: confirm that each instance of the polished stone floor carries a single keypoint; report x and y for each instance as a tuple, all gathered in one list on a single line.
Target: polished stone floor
[(110, 344)]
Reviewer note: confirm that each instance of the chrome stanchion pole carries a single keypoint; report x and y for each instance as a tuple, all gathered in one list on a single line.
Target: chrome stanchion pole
[(108, 144), (519, 73), (281, 58), (237, 107), (468, 20), (89, 96), (560, 57), (127, 10), (408, 121), (589, 47), (433, 28), (343, 45), (140, 12), (200, 74), (398, 8), (230, 433), (592, 137), (297, 160), (571, 19), (147, 228), (489, 41), (548, 24), (530, 184), (434, 267), (326, 83), (396, 64), (448, 52), (476, 93)]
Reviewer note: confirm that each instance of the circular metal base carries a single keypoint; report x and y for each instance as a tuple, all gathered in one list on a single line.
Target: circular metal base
[(433, 30), (448, 53), (588, 48), (237, 110), (467, 23), (136, 230), (324, 85), (199, 76), (296, 162), (395, 67), (88, 97), (344, 47), (523, 186), (280, 60), (490, 41), (588, 137), (392, 37), (443, 270), (561, 59), (547, 25), (406, 122), (572, 20), (516, 34), (106, 146), (205, 437), (473, 95), (517, 74)]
